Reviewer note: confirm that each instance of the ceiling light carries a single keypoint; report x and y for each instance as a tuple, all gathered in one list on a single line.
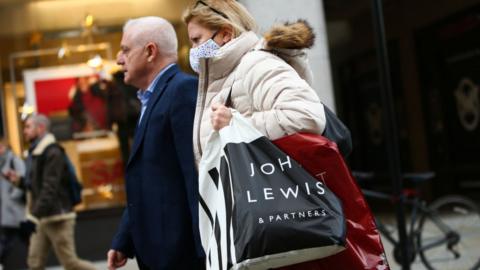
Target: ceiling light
[(63, 52), (95, 62), (88, 21)]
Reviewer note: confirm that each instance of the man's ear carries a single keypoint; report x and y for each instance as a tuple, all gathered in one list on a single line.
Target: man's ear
[(151, 51), (41, 128)]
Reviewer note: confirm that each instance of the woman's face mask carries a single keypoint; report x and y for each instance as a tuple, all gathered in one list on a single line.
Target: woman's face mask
[(205, 50)]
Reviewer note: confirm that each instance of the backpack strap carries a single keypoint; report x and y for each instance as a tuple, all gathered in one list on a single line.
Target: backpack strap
[(69, 176), (228, 100)]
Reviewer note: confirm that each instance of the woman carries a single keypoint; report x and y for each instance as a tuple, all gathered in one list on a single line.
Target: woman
[(12, 201), (232, 61)]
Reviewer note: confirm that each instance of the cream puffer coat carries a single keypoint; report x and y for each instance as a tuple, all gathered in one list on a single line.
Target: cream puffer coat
[(264, 88)]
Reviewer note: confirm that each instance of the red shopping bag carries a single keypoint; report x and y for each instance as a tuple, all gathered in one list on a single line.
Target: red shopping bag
[(321, 158)]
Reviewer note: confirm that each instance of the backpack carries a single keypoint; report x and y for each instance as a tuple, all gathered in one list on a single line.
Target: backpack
[(336, 131), (74, 186)]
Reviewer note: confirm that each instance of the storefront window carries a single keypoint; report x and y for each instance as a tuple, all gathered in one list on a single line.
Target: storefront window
[(67, 71)]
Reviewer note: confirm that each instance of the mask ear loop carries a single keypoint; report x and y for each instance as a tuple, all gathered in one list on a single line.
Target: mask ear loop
[(215, 34)]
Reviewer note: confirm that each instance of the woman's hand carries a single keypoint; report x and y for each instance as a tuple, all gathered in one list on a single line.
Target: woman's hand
[(12, 176), (220, 116)]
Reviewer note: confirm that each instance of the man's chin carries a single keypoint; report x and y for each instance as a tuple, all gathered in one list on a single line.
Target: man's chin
[(127, 81)]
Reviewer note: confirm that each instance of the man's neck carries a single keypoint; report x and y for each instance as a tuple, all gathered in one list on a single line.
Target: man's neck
[(37, 139), (155, 71)]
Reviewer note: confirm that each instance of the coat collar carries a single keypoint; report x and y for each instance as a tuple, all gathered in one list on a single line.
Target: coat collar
[(230, 55), (43, 143), (159, 88)]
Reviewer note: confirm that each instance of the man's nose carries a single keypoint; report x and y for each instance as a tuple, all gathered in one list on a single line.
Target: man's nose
[(120, 58)]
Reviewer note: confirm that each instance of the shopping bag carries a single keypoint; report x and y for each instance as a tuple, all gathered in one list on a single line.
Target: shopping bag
[(259, 209), (336, 131), (321, 158)]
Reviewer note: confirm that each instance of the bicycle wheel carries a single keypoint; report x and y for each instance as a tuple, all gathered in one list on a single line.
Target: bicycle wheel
[(449, 234)]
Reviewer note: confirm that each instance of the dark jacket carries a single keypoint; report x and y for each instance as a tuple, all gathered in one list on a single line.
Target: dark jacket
[(160, 224), (48, 187)]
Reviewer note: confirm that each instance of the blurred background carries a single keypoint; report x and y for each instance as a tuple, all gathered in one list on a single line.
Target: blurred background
[(52, 51)]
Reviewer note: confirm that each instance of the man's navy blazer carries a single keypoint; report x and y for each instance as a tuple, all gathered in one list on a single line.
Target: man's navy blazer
[(160, 223)]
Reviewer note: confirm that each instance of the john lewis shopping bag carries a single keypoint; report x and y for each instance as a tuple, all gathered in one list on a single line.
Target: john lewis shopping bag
[(321, 158), (258, 208)]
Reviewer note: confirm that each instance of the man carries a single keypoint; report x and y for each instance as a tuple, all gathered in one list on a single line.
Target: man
[(160, 224), (49, 204)]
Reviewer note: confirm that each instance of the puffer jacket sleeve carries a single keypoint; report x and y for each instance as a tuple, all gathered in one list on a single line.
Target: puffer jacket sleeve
[(282, 102)]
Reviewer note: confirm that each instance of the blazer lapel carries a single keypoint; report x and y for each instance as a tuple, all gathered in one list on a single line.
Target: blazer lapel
[(157, 93)]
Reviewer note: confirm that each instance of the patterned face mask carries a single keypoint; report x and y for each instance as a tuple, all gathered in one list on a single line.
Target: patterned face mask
[(206, 50)]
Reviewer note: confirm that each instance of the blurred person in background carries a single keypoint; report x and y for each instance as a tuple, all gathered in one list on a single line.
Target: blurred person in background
[(12, 201), (126, 127), (88, 107), (49, 204)]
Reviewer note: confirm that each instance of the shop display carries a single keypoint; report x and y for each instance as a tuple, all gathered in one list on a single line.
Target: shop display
[(361, 95), (78, 101), (449, 59)]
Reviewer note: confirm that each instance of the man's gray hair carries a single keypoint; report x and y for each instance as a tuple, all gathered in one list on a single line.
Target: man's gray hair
[(40, 119), (156, 30)]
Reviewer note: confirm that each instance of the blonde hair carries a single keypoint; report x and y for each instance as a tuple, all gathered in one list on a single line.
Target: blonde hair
[(215, 14)]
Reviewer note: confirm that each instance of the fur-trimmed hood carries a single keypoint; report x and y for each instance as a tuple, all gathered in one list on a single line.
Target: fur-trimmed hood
[(296, 35), (289, 41)]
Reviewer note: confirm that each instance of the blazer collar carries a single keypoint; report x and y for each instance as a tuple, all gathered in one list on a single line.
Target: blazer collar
[(159, 88)]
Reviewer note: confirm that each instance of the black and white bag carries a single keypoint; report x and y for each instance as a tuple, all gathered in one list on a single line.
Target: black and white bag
[(258, 208)]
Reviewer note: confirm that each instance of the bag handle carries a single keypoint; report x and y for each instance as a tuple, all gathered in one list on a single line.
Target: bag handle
[(228, 100)]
